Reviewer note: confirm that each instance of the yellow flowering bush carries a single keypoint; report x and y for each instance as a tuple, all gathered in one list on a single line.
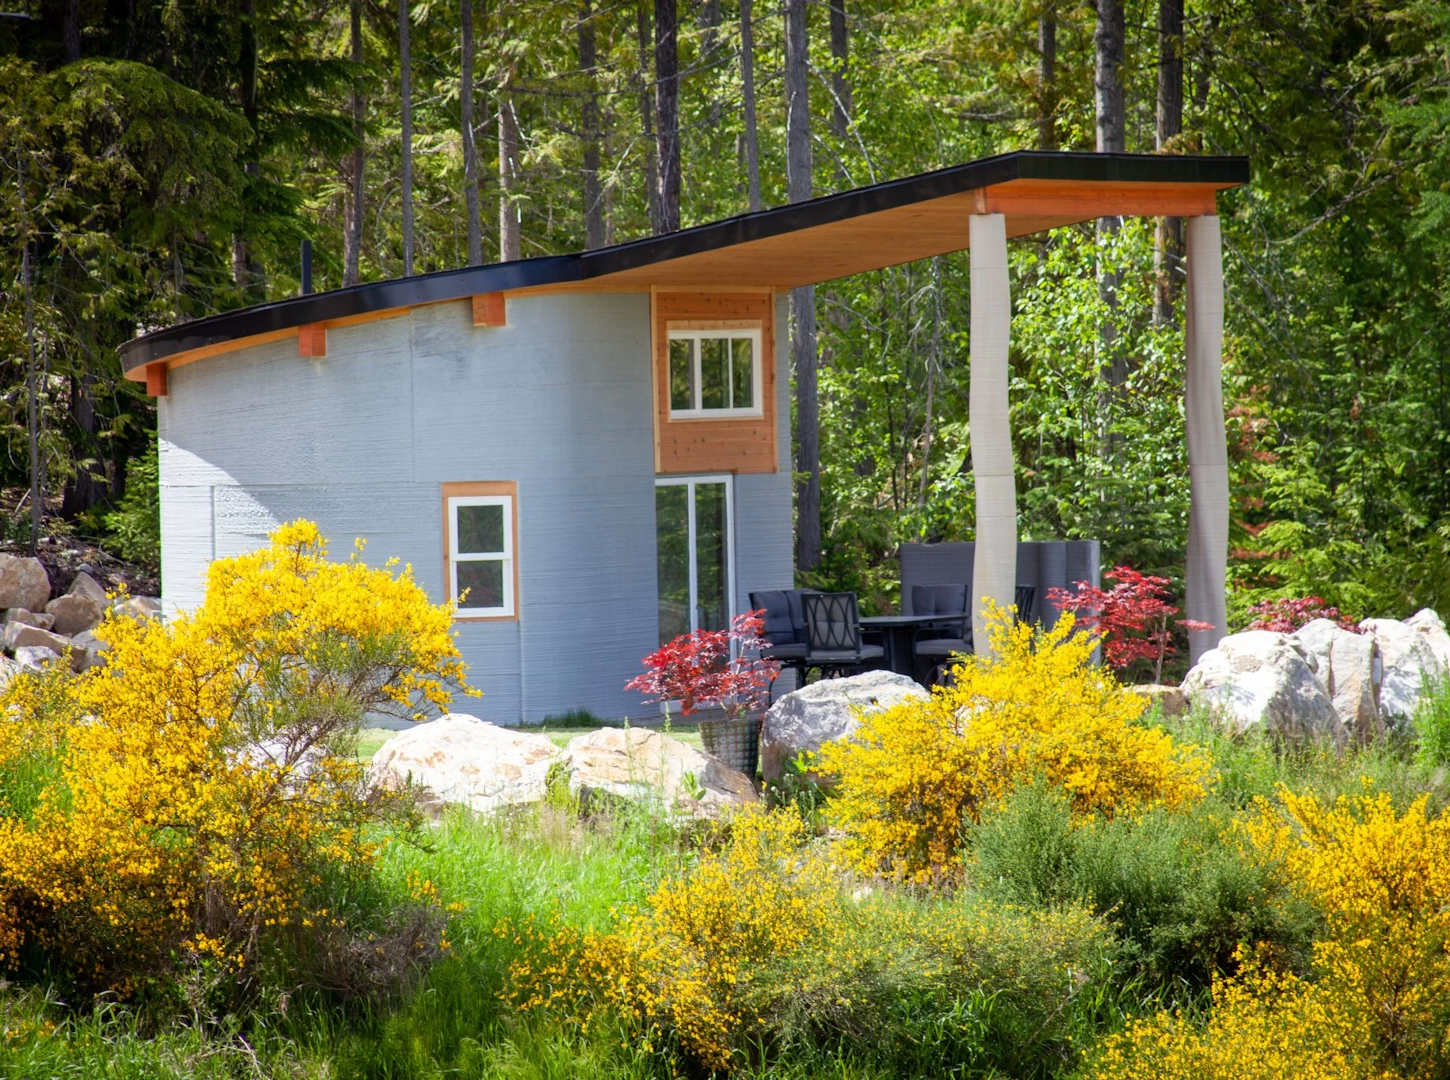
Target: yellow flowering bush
[(761, 944), (203, 790), (1378, 1004), (911, 776)]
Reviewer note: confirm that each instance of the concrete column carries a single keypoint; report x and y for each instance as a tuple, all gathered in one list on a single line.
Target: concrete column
[(994, 572), (1207, 564)]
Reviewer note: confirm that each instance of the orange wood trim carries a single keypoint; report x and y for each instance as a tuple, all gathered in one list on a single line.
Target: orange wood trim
[(191, 356), (704, 444), (455, 489), (489, 310), (156, 380), (1052, 199), (312, 340)]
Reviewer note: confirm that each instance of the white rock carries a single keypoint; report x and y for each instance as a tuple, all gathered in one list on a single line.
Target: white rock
[(19, 635), (1348, 667), (138, 607), (85, 585), (86, 650), (808, 718), (30, 618), (35, 656), (8, 668), (645, 764), (23, 583), (461, 759), (75, 612), (1412, 650), (1260, 679)]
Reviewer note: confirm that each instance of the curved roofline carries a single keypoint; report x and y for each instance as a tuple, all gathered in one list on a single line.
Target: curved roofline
[(469, 281)]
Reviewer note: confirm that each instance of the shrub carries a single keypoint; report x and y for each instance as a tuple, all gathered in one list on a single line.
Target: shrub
[(724, 669), (206, 801), (1432, 723), (1133, 616), (1290, 613), (759, 948), (134, 527), (913, 775), (1380, 1000), (1181, 898)]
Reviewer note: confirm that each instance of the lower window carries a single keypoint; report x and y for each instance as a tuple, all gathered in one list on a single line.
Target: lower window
[(695, 547), (480, 562)]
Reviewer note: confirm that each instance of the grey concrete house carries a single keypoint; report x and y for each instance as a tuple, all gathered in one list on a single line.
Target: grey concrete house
[(596, 446)]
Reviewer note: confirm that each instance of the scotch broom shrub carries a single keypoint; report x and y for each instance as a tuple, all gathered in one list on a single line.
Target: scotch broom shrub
[(202, 805), (761, 949), (1181, 896), (1377, 999), (912, 776)]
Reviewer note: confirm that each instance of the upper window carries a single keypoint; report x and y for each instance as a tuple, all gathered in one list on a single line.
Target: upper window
[(714, 373), (481, 554)]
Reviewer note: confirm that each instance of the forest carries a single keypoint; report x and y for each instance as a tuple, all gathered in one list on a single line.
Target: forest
[(163, 161)]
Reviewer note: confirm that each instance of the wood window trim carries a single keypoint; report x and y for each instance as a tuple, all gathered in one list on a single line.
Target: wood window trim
[(493, 488), (735, 445)]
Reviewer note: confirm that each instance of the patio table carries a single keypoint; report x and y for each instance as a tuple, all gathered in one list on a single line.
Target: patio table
[(899, 636)]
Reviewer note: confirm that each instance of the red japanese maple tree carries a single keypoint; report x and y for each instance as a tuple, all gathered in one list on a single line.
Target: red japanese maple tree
[(702, 670), (1133, 617), (1290, 613)]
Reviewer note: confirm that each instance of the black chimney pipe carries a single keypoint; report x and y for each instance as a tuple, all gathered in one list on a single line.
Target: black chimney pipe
[(306, 267)]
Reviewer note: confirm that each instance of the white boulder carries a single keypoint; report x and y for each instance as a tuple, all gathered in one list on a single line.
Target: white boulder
[(23, 583), (1348, 667), (645, 764), (85, 651), (85, 585), (461, 759), (34, 656), (18, 635), (30, 618), (137, 607), (1261, 679), (808, 718), (1413, 650), (75, 612)]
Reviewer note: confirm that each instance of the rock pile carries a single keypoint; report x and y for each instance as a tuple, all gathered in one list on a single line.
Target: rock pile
[(1324, 680), (461, 759), (38, 629)]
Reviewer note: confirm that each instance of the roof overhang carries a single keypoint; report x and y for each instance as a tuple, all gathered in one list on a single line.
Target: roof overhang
[(800, 244)]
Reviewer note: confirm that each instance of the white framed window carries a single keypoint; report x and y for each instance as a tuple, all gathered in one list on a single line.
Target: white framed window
[(481, 560), (714, 374)]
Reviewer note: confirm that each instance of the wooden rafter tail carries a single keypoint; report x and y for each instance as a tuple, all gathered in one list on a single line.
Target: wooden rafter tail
[(156, 380), (312, 340), (489, 309)]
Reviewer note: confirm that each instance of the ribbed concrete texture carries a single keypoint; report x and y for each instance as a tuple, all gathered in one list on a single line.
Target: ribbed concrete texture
[(1207, 563), (994, 573)]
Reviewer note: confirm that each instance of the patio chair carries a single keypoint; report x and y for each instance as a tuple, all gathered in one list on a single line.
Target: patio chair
[(936, 644), (933, 649), (833, 634), (784, 629)]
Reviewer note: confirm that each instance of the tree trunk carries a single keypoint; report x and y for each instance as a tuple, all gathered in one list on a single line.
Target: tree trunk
[(646, 116), (840, 81), (1108, 84), (245, 270), (803, 300), (593, 197), (70, 30), (1047, 79), (85, 489), (356, 208), (709, 22), (405, 91), (1168, 249), (667, 109), (510, 238), (747, 83), (470, 152)]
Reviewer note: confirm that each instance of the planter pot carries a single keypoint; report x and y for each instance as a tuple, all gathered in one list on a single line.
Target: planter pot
[(735, 742)]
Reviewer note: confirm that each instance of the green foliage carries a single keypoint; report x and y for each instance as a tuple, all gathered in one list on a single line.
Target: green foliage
[(134, 527), (1174, 885), (1432, 724)]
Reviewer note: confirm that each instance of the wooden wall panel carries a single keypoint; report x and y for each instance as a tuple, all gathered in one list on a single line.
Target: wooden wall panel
[(727, 445)]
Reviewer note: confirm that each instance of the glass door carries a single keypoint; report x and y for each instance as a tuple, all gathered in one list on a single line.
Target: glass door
[(695, 541)]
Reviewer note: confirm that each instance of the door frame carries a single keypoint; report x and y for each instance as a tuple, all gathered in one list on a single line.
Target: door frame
[(689, 481)]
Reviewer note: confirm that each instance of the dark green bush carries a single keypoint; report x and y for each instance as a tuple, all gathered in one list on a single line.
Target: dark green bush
[(1432, 724), (1175, 887)]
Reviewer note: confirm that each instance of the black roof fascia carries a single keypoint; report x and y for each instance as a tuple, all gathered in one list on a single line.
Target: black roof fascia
[(558, 269)]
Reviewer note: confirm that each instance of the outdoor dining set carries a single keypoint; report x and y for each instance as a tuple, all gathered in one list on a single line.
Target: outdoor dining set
[(825, 632)]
